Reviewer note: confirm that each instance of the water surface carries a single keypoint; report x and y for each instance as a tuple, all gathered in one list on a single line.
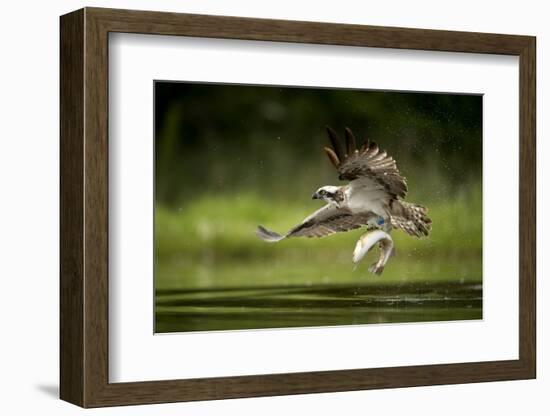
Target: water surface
[(209, 309)]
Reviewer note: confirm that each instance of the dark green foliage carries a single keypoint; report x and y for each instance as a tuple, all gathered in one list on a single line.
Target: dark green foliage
[(232, 137)]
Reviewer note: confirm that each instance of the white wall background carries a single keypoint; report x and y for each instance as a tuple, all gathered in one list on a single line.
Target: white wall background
[(29, 207)]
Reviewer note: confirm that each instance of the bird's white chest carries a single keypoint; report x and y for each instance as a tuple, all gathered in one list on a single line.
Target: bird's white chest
[(367, 200)]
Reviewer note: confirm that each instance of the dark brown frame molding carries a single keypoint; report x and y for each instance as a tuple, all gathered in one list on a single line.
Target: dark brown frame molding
[(84, 208)]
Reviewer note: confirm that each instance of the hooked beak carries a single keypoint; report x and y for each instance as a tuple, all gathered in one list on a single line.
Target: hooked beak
[(315, 196)]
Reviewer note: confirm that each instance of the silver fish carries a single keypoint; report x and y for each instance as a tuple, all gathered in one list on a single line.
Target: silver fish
[(367, 241)]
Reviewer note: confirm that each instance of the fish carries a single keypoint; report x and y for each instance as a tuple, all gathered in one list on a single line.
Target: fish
[(367, 242)]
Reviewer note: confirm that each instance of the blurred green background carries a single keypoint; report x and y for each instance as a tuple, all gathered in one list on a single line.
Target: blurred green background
[(230, 157)]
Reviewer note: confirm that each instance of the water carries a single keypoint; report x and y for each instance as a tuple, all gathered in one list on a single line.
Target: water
[(212, 309)]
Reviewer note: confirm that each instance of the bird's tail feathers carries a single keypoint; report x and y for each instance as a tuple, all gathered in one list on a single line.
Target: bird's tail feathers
[(267, 235), (411, 218)]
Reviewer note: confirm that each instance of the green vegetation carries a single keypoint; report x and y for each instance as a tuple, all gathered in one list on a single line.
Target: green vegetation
[(211, 243)]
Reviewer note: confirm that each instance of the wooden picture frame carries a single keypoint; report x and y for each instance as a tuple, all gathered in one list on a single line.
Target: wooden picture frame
[(84, 207)]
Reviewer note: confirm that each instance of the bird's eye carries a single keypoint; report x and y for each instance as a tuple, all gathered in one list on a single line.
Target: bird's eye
[(323, 192)]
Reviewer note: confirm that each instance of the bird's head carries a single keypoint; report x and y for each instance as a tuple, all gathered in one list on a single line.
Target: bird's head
[(328, 193)]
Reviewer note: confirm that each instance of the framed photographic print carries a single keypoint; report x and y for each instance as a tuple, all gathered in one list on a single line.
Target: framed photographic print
[(256, 207)]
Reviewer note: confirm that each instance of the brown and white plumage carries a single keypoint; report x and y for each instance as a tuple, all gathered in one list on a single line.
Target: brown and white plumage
[(373, 198), (325, 221), (366, 162), (373, 175)]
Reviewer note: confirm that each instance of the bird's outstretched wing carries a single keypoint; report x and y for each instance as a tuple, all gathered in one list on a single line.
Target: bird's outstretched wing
[(365, 162), (325, 221)]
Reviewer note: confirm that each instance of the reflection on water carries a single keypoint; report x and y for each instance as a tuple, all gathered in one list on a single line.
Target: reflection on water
[(320, 305)]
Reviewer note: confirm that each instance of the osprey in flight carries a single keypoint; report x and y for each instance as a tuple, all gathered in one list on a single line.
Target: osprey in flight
[(373, 198)]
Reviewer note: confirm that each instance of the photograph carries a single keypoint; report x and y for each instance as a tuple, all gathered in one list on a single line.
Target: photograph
[(292, 206)]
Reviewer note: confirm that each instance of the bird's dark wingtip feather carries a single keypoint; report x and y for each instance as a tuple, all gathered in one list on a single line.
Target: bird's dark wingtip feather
[(332, 157), (351, 143), (335, 142), (267, 235)]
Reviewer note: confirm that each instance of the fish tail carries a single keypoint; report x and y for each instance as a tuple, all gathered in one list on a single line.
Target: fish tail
[(374, 268)]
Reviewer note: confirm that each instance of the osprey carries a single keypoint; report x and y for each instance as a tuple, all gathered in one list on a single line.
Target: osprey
[(373, 198)]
